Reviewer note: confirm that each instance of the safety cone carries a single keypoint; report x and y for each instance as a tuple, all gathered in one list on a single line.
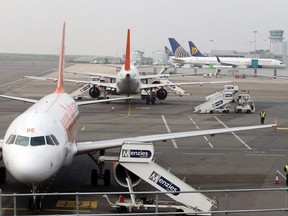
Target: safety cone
[(112, 108), (277, 179)]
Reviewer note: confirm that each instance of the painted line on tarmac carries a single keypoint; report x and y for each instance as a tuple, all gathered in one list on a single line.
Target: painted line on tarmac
[(47, 210), (210, 144), (15, 89), (83, 127), (280, 174), (169, 131), (281, 128), (72, 204), (237, 137), (266, 155), (215, 154)]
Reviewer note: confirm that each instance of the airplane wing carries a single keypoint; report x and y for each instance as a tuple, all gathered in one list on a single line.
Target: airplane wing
[(148, 86), (20, 99), (101, 84), (81, 103), (84, 147), (94, 74), (230, 64), (155, 76)]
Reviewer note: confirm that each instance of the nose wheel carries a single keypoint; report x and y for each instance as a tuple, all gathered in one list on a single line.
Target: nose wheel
[(2, 175), (35, 201)]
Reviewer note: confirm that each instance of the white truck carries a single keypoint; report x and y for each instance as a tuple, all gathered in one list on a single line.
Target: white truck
[(244, 104)]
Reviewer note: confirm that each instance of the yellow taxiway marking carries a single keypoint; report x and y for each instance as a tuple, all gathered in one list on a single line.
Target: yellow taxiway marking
[(72, 204), (113, 119), (50, 210), (281, 128)]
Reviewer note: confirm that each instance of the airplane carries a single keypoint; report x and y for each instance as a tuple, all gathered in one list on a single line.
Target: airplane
[(42, 139), (168, 51), (231, 62), (127, 81)]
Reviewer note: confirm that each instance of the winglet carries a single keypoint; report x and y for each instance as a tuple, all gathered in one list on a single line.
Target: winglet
[(127, 58), (60, 83)]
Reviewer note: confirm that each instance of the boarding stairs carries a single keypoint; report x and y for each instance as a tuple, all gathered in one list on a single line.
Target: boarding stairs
[(218, 101), (139, 159)]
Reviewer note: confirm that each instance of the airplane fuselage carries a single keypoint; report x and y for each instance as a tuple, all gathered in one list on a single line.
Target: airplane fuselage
[(240, 62), (128, 82), (42, 139)]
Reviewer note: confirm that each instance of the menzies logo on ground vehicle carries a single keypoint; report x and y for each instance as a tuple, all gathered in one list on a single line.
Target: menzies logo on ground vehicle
[(136, 153), (164, 183)]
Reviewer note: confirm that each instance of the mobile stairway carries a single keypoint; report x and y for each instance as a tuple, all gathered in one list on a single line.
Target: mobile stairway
[(218, 101), (139, 159)]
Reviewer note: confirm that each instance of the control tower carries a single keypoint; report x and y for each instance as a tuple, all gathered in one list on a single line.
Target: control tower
[(276, 42)]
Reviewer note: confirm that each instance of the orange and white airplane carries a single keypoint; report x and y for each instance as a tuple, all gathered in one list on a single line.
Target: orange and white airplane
[(43, 139), (128, 81)]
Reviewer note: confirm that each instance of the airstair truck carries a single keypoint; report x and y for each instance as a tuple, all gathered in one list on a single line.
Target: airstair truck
[(218, 101), (139, 159)]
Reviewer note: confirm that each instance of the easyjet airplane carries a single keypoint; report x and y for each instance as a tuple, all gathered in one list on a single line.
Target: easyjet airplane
[(43, 139)]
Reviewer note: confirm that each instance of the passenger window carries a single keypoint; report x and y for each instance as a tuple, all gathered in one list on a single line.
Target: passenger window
[(36, 141), (22, 140), (49, 141), (54, 139), (11, 139)]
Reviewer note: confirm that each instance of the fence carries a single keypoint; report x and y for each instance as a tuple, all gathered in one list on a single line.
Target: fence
[(268, 201)]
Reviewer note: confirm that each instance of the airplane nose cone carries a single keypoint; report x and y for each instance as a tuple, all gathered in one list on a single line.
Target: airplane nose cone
[(28, 168)]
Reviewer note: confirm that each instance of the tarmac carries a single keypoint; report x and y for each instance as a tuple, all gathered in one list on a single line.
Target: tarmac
[(245, 160)]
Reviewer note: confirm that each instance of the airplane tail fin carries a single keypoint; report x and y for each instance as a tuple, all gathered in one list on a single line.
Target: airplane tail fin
[(177, 49), (168, 51), (60, 80), (194, 51), (127, 58)]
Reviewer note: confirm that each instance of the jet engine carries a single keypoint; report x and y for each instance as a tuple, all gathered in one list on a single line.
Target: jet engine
[(120, 173), (94, 91), (161, 93)]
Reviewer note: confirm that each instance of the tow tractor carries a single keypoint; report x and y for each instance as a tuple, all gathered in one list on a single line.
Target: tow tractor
[(245, 104)]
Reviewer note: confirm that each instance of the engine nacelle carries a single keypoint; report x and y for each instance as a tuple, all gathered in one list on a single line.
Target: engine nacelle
[(161, 94), (94, 92), (120, 173), (156, 82)]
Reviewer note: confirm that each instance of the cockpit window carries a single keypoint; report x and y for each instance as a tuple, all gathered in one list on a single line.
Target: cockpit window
[(49, 141), (36, 141), (54, 139), (22, 140), (11, 139)]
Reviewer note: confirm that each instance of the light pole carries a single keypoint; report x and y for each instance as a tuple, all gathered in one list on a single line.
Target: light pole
[(255, 32)]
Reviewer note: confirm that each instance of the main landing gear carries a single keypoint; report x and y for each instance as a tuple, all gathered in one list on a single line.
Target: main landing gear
[(104, 175)]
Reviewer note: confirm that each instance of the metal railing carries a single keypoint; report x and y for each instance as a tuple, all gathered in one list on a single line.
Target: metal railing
[(229, 203)]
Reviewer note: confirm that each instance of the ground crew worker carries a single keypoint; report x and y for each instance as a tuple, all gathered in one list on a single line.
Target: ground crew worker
[(286, 170), (262, 116)]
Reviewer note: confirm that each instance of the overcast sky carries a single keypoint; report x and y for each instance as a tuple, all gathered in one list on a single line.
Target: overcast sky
[(98, 27)]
